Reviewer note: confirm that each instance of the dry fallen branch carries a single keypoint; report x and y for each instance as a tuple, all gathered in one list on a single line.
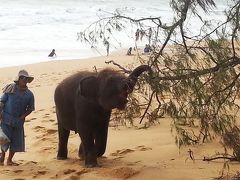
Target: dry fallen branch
[(118, 65), (220, 157)]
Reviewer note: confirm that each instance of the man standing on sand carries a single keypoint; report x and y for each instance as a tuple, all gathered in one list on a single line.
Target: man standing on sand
[(17, 102)]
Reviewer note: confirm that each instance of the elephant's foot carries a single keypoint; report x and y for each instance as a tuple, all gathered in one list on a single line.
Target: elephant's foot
[(61, 158), (81, 156), (91, 162), (61, 155), (91, 165)]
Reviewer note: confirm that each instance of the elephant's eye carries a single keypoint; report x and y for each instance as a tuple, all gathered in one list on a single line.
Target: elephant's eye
[(123, 94), (126, 88)]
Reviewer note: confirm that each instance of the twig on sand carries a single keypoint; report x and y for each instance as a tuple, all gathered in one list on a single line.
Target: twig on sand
[(191, 154), (220, 157)]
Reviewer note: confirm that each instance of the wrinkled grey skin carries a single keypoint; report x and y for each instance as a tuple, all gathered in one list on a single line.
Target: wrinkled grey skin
[(84, 102)]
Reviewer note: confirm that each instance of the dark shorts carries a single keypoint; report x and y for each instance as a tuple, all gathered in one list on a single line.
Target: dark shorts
[(16, 136)]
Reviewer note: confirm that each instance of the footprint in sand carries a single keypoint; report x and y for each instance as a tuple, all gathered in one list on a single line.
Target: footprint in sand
[(122, 152), (38, 128), (51, 131), (117, 158), (82, 172), (47, 148), (46, 116), (37, 111), (126, 151), (5, 171), (39, 173), (73, 176), (28, 120), (121, 172), (18, 171), (69, 171), (43, 139), (76, 176), (31, 162), (143, 148)]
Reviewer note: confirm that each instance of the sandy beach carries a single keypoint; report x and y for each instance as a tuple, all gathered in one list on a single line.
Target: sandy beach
[(136, 154)]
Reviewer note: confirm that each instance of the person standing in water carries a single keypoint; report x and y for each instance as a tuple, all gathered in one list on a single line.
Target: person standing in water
[(52, 53)]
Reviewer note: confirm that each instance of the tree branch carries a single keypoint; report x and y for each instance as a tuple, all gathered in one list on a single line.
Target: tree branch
[(231, 62)]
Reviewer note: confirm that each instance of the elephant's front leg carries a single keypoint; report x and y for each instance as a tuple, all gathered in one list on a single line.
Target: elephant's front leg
[(101, 139), (89, 151), (101, 132)]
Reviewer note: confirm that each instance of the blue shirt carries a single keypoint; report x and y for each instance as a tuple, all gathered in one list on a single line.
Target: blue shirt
[(16, 104)]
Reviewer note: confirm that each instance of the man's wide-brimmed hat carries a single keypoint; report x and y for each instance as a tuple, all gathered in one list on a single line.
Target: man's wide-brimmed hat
[(24, 73)]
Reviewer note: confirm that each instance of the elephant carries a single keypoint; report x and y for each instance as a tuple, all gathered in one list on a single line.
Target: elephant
[(84, 102)]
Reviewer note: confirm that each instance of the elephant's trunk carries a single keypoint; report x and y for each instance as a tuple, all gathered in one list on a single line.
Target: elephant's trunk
[(132, 78), (138, 71)]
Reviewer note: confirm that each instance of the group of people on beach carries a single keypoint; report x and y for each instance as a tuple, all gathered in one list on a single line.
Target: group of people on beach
[(147, 49)]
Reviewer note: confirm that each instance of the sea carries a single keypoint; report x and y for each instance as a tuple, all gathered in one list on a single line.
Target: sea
[(30, 29)]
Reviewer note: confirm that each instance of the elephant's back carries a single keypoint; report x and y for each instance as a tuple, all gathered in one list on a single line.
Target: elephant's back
[(67, 88), (65, 92)]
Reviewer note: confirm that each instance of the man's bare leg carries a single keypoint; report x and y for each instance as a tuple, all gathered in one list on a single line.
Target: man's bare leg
[(2, 158), (9, 160)]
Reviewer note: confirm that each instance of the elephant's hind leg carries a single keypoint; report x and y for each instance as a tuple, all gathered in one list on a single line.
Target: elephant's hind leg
[(81, 152), (63, 135)]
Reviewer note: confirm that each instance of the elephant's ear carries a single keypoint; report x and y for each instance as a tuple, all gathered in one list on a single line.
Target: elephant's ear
[(88, 87)]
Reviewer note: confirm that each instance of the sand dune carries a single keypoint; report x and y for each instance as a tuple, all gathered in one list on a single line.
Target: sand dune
[(131, 154)]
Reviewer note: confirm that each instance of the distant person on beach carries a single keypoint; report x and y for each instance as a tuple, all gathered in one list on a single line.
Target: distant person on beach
[(106, 43), (129, 52), (52, 53), (147, 49), (17, 103), (137, 34), (149, 35)]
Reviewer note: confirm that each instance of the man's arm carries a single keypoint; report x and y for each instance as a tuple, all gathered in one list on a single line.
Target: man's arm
[(1, 109), (1, 106), (25, 115), (30, 108)]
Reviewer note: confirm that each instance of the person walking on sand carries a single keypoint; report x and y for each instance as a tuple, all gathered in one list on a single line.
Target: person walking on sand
[(52, 53), (17, 103)]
